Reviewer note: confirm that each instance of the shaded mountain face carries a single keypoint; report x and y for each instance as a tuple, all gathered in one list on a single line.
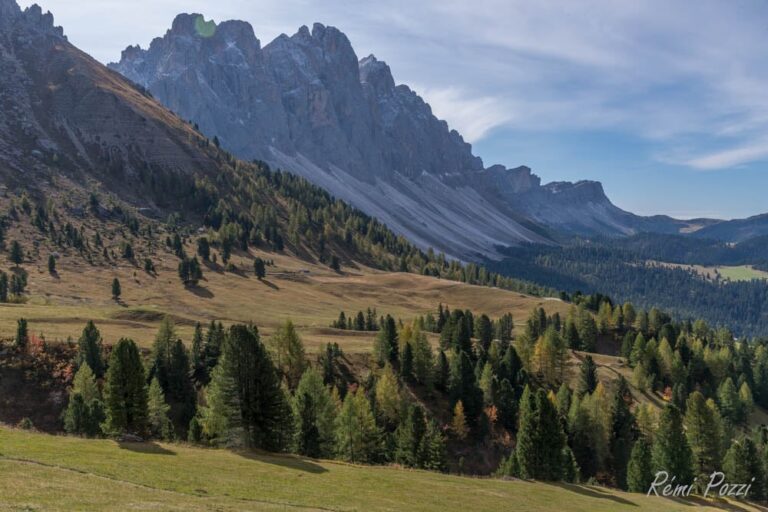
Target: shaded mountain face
[(64, 114), (306, 104)]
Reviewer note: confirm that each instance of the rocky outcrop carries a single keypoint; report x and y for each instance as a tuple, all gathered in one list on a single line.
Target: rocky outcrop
[(306, 103)]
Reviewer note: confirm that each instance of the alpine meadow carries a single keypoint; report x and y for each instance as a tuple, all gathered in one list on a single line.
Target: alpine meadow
[(246, 276)]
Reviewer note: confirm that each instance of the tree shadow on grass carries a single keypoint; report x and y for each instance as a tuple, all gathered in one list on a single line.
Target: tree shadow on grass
[(286, 461), (144, 447), (697, 501), (270, 284), (203, 293), (592, 492)]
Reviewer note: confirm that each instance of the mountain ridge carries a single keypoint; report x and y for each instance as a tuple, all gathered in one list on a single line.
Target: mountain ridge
[(307, 104)]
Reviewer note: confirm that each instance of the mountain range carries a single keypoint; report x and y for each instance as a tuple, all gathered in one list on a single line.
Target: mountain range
[(306, 104)]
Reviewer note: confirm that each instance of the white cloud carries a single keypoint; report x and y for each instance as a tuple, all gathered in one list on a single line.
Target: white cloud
[(730, 158)]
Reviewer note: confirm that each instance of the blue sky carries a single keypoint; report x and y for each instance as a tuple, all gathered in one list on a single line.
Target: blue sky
[(666, 103)]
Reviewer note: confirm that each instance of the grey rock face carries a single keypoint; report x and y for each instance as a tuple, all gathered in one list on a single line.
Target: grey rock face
[(306, 103)]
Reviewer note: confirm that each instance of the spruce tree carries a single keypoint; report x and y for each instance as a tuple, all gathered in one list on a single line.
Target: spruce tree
[(22, 333), (540, 439), (743, 464), (433, 452), (85, 411), (622, 433), (484, 332), (262, 401), (89, 349), (314, 411), (423, 359), (640, 469), (16, 253), (671, 452), (587, 376), (259, 269), (125, 390), (116, 289), (52, 264), (3, 287), (442, 372), (406, 364), (221, 418), (462, 386), (157, 412), (702, 434), (385, 345), (410, 436)]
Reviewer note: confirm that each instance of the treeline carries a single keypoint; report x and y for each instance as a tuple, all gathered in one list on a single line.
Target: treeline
[(231, 389), (362, 321), (624, 275)]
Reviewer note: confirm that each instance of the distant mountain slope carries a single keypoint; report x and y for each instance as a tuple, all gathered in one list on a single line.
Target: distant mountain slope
[(307, 104), (737, 230)]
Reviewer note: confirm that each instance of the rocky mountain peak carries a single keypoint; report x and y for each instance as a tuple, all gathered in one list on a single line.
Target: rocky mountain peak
[(376, 74)]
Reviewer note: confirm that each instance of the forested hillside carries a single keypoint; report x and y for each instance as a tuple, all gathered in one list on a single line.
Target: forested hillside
[(636, 270)]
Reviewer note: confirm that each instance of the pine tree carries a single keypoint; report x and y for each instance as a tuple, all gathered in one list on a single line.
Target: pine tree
[(640, 469), (571, 471), (199, 368), (22, 333), (221, 418), (432, 451), (730, 403), (85, 411), (52, 264), (385, 344), (89, 349), (314, 411), (540, 439), (423, 359), (16, 253), (507, 407), (406, 365), (263, 404), (357, 436), (484, 332), (3, 287), (671, 451), (409, 437), (702, 434), (462, 386), (259, 269), (742, 464), (622, 433), (116, 290), (288, 350), (157, 412), (442, 372), (587, 376), (125, 390)]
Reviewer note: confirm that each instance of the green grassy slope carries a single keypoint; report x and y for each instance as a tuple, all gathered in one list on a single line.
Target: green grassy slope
[(42, 472)]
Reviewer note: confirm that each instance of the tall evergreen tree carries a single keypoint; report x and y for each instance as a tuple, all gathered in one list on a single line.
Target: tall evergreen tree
[(221, 418), (622, 433), (358, 438), (117, 290), (89, 349), (442, 372), (22, 333), (157, 412), (702, 434), (462, 386), (671, 452), (385, 348), (263, 406), (288, 350), (743, 463), (125, 390), (640, 468), (540, 439), (314, 411), (587, 376), (410, 436), (85, 410)]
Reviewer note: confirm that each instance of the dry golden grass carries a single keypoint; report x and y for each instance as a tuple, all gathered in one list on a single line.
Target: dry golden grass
[(310, 295)]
